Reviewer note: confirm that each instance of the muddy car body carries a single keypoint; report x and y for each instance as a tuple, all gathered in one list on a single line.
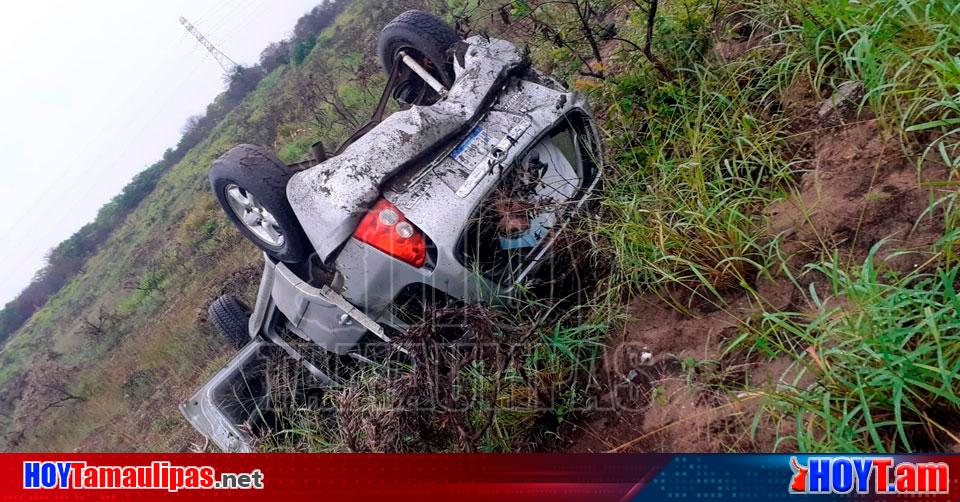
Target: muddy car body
[(457, 200)]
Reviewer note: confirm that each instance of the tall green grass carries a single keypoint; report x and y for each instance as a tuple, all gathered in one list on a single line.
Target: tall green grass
[(697, 159), (875, 365), (903, 52), (694, 161)]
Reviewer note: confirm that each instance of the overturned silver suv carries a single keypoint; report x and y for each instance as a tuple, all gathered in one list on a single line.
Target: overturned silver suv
[(458, 197)]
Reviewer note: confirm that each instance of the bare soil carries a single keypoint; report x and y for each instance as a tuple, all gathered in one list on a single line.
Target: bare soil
[(858, 188)]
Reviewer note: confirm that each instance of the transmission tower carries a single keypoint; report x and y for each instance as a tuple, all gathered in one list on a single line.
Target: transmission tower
[(222, 59)]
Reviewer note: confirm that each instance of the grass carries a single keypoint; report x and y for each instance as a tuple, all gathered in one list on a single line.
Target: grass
[(873, 364), (693, 162), (706, 166), (697, 159), (902, 52), (518, 377), (708, 153), (181, 251)]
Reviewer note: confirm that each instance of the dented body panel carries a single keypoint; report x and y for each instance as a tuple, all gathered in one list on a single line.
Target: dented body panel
[(502, 128), (330, 198)]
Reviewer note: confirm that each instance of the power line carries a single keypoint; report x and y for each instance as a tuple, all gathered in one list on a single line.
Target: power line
[(222, 59), (224, 17)]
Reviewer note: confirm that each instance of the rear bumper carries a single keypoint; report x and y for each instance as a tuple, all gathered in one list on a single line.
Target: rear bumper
[(235, 404)]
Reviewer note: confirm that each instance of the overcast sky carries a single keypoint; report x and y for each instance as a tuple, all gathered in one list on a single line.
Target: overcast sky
[(93, 92)]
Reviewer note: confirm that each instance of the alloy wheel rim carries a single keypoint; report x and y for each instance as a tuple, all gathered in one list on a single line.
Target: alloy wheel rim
[(254, 216)]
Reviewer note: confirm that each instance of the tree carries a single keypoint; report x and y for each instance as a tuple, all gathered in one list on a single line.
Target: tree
[(318, 93), (577, 33), (241, 81), (309, 26), (274, 55), (577, 27), (192, 123), (101, 325), (67, 258), (48, 385)]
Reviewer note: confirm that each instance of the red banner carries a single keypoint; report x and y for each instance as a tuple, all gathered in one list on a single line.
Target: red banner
[(292, 477), (580, 477)]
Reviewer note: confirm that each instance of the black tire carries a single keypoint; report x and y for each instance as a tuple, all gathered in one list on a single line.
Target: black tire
[(256, 171), (426, 35), (231, 317)]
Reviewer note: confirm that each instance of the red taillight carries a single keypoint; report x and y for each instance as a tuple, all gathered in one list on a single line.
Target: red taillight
[(385, 228)]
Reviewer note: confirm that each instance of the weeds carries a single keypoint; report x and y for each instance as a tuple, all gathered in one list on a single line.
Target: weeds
[(903, 52), (696, 161), (875, 365), (696, 154), (473, 377), (477, 378)]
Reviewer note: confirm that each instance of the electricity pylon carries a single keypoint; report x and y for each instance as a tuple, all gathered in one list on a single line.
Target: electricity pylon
[(222, 59)]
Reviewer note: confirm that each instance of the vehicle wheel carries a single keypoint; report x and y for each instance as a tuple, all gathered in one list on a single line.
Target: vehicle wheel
[(231, 318), (425, 38), (251, 185)]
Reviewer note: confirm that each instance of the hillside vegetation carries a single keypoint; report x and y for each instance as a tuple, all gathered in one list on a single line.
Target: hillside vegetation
[(105, 361), (772, 263), (67, 258)]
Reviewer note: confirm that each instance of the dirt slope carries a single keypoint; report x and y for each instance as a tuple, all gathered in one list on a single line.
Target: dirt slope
[(860, 187)]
